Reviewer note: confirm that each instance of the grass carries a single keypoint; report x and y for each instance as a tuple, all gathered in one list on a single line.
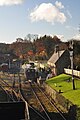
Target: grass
[(61, 83)]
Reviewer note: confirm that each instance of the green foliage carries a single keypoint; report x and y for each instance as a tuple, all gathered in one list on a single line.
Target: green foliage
[(64, 83)]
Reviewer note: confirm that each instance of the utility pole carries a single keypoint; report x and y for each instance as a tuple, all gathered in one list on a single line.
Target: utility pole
[(9, 60), (71, 57)]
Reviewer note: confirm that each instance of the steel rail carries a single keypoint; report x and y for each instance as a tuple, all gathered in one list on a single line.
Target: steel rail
[(28, 105), (31, 106), (51, 102), (41, 104), (17, 94), (9, 95), (10, 88), (21, 96)]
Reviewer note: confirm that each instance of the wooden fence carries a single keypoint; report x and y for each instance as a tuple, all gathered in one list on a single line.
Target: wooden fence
[(69, 71)]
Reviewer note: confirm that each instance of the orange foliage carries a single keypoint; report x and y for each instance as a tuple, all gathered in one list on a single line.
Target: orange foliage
[(30, 53)]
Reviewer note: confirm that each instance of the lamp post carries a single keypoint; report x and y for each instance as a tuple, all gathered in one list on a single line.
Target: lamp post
[(71, 57)]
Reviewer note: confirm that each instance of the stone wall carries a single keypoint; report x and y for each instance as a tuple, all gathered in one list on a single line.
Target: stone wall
[(72, 111), (58, 98)]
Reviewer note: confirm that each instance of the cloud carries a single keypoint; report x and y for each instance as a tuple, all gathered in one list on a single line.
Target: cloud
[(77, 37), (60, 36), (10, 2), (59, 5), (47, 12)]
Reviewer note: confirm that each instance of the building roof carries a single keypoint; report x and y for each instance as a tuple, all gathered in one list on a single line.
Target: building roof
[(54, 58)]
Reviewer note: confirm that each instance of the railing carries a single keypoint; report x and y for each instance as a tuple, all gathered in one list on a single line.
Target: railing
[(69, 71)]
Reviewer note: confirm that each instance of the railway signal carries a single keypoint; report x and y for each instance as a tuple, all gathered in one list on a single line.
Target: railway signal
[(71, 57)]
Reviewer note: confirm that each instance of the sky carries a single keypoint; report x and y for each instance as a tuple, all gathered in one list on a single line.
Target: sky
[(51, 17)]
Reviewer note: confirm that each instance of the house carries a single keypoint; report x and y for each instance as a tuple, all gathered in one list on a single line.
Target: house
[(58, 61)]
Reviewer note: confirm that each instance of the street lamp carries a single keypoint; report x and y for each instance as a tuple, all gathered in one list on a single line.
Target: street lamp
[(71, 58)]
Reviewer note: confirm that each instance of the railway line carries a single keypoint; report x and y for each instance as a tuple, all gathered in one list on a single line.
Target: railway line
[(38, 100), (13, 93), (54, 107), (38, 106)]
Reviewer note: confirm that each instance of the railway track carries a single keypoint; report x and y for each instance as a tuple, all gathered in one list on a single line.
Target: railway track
[(54, 107), (34, 113), (14, 93), (11, 93), (38, 100), (38, 105)]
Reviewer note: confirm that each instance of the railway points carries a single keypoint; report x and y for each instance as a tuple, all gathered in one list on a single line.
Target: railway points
[(37, 103)]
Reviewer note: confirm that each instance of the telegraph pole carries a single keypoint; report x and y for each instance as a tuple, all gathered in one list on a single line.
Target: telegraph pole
[(9, 60)]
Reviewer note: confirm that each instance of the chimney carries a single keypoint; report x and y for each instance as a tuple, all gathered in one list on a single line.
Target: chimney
[(57, 49)]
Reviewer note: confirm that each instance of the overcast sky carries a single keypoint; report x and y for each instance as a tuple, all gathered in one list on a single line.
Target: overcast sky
[(21, 17)]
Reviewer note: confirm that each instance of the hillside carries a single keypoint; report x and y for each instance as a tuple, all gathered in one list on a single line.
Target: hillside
[(41, 48)]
